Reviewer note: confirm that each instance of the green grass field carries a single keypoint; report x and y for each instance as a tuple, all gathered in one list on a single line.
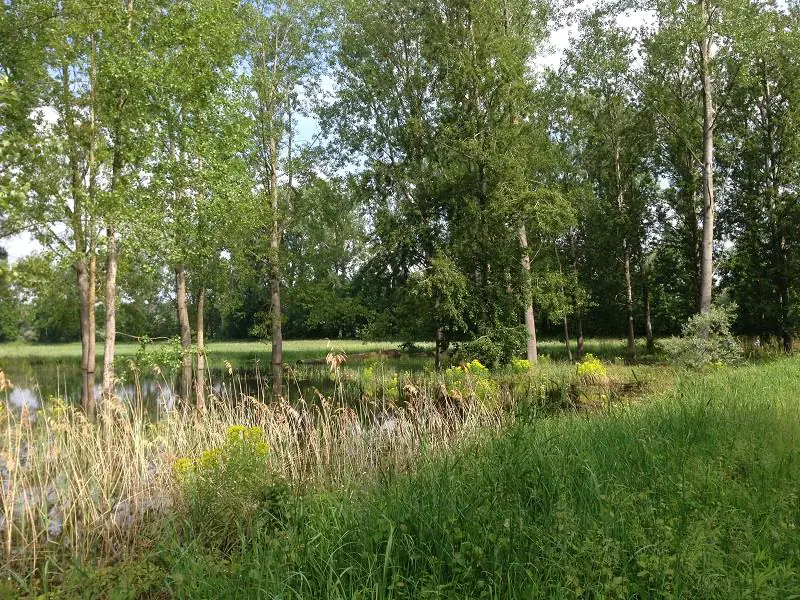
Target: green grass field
[(692, 492), (293, 349)]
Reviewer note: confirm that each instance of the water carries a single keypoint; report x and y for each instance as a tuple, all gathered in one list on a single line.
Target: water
[(36, 380)]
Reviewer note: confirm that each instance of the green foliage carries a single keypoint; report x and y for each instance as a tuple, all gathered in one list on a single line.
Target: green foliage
[(162, 355), (10, 309), (230, 491), (521, 365), (683, 496), (707, 339), (499, 347), (47, 287)]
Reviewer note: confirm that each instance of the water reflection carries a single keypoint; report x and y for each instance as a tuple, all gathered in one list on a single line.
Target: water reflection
[(37, 380)]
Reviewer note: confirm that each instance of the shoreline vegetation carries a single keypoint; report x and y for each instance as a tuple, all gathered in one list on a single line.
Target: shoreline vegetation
[(318, 497)]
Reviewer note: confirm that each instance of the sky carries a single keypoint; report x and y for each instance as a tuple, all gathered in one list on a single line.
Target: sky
[(307, 127)]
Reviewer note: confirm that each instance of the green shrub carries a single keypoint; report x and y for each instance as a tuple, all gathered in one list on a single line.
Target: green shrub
[(231, 488), (706, 340), (521, 365), (472, 380), (499, 347), (591, 370)]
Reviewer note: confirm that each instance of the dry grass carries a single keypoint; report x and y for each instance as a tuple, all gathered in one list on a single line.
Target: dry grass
[(78, 490)]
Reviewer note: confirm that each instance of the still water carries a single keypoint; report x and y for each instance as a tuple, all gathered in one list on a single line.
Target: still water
[(36, 380)]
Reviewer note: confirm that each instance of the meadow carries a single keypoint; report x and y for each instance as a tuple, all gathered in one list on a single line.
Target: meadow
[(595, 480)]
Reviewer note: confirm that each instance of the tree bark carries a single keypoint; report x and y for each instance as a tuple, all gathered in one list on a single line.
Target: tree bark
[(89, 291), (275, 274), (87, 340), (530, 322), (111, 314), (707, 248), (648, 324), (578, 311), (112, 259), (563, 295), (186, 334), (566, 338), (81, 250), (439, 337), (626, 259), (200, 384)]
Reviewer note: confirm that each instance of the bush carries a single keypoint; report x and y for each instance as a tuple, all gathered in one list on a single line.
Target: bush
[(230, 488), (521, 365), (591, 370), (496, 348), (472, 380), (706, 340)]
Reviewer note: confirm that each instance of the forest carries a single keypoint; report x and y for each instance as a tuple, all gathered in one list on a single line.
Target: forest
[(455, 185), (493, 186)]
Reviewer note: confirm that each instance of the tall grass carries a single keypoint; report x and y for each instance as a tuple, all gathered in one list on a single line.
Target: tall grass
[(694, 495), (75, 490)]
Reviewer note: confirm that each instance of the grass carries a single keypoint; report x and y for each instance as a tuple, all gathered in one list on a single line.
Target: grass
[(299, 349), (435, 487), (293, 349), (684, 496)]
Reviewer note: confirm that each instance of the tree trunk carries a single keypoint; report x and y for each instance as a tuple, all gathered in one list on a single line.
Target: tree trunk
[(90, 289), (786, 332), (626, 260), (566, 339), (200, 384), (439, 336), (82, 255), (707, 248), (530, 322), (111, 314), (186, 334), (563, 295), (578, 311), (87, 346), (648, 325), (626, 257), (112, 259), (112, 248), (275, 275), (438, 352)]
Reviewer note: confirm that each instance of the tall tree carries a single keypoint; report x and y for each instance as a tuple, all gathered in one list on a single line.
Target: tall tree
[(613, 125), (284, 46), (692, 40)]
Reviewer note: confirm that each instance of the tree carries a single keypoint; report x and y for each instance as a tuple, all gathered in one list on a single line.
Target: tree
[(613, 129), (197, 132), (284, 45), (762, 161), (693, 41)]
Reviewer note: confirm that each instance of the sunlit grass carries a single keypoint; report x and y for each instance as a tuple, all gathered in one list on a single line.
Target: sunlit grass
[(606, 348), (693, 493), (293, 349)]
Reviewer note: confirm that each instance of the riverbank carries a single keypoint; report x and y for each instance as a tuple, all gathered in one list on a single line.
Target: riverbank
[(690, 490)]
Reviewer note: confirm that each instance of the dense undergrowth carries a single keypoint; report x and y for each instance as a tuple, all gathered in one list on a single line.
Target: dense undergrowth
[(692, 494)]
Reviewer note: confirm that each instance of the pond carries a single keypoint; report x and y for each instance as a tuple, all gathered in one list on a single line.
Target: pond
[(37, 379)]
